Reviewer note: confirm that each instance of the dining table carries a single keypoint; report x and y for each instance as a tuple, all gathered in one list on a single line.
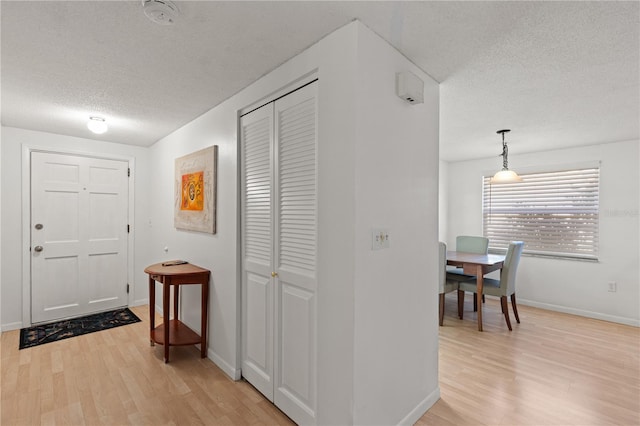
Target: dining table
[(478, 265)]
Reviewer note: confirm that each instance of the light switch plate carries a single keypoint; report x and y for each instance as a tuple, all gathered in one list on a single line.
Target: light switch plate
[(379, 239)]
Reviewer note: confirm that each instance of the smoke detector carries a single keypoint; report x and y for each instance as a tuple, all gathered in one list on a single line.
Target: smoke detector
[(161, 12)]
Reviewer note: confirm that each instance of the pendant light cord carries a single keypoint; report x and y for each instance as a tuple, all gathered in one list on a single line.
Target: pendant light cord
[(505, 154)]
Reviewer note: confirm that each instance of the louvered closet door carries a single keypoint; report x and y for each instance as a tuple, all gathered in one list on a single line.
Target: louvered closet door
[(295, 254), (279, 239), (257, 249)]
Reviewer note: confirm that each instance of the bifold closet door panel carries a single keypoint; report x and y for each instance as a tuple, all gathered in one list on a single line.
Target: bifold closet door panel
[(257, 248), (296, 253)]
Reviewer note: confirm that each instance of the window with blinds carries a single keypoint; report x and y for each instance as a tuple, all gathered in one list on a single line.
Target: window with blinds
[(554, 213)]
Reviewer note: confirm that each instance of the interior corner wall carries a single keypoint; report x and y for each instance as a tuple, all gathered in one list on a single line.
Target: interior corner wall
[(13, 217), (0, 227), (570, 286), (336, 62), (396, 327), (443, 197)]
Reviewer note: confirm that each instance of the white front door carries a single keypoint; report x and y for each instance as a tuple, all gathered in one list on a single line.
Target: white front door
[(279, 251), (79, 209)]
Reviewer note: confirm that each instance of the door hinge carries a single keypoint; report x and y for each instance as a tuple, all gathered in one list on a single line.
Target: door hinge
[(129, 171), (128, 229), (127, 288)]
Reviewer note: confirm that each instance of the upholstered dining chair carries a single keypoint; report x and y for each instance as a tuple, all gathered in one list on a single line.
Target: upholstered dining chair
[(445, 284), (470, 244), (503, 287)]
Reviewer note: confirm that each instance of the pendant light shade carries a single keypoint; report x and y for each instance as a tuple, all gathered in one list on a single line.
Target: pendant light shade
[(505, 175)]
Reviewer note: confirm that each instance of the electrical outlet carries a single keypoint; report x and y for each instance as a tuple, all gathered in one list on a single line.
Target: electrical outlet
[(613, 286)]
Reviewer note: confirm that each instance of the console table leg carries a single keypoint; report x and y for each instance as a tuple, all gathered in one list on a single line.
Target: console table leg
[(176, 298), (152, 308), (165, 311), (203, 316)]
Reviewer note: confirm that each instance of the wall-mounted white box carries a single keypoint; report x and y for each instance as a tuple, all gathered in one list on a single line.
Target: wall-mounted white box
[(409, 87)]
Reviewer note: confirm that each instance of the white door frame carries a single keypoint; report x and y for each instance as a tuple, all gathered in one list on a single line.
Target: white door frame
[(27, 149)]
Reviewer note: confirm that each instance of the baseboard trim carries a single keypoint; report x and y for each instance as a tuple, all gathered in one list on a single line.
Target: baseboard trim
[(140, 302), (228, 369), (415, 414), (580, 312), (11, 326)]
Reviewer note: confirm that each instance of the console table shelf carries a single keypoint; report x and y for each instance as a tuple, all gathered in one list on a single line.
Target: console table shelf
[(179, 334)]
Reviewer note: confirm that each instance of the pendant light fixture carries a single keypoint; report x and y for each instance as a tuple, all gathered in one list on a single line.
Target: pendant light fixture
[(505, 175)]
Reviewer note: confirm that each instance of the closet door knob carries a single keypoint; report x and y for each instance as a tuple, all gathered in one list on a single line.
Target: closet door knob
[(274, 274), (38, 248)]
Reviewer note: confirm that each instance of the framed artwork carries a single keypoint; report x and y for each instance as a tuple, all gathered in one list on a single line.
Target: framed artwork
[(195, 191)]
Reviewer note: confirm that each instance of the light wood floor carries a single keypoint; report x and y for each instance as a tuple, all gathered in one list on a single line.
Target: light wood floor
[(114, 377), (551, 369)]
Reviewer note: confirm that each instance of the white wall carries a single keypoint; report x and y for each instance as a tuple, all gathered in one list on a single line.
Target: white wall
[(396, 326), (14, 219), (568, 285), (344, 143)]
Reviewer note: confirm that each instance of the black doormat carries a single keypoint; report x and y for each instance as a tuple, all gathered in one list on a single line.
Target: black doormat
[(52, 332)]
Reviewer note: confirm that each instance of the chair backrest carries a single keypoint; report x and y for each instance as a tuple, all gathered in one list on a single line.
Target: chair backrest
[(508, 273), (443, 267), (471, 244)]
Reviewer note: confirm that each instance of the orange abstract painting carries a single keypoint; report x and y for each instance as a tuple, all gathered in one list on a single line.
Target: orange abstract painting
[(193, 191)]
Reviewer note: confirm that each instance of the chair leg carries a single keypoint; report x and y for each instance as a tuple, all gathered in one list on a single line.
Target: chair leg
[(475, 302), (515, 307), (505, 310), (460, 303), (441, 308)]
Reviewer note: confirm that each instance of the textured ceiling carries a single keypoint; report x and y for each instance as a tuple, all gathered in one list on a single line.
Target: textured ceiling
[(558, 74)]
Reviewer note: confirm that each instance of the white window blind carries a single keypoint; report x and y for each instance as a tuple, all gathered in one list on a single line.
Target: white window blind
[(554, 213)]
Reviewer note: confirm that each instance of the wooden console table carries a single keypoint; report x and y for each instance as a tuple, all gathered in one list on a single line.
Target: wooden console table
[(177, 333)]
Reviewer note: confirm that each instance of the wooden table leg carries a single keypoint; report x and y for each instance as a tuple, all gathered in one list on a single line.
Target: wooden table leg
[(479, 284), (165, 312), (176, 296), (203, 317), (152, 308)]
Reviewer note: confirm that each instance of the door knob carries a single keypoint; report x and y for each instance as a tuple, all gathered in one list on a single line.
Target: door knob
[(39, 226), (274, 274), (38, 248)]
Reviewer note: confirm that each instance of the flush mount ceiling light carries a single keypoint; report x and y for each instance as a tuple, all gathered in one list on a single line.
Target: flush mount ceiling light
[(161, 12), (97, 125), (505, 175)]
